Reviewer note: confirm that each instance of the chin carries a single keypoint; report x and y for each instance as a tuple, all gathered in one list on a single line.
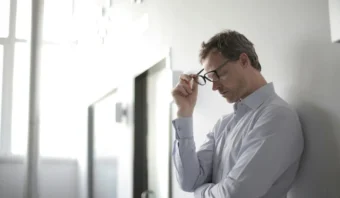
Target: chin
[(230, 100)]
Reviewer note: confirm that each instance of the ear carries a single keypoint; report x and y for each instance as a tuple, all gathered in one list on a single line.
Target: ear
[(244, 60)]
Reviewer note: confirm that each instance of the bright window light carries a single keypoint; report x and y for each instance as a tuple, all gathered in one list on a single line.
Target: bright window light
[(20, 105), (59, 118), (4, 17), (57, 20), (1, 72), (23, 24)]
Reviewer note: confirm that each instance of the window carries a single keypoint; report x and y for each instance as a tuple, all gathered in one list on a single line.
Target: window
[(20, 99), (17, 80), (1, 72), (1, 67), (4, 17), (56, 60), (56, 26), (23, 23), (59, 102), (17, 68), (5, 49)]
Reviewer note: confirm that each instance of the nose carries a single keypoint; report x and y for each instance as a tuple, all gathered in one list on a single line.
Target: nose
[(215, 85)]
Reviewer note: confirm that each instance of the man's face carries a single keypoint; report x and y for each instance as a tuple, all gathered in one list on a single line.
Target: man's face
[(232, 82)]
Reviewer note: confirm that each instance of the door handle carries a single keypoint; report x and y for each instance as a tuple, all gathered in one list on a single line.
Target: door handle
[(148, 194), (120, 112)]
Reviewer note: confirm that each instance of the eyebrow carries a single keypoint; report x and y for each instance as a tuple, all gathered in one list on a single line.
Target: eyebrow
[(223, 64), (219, 67)]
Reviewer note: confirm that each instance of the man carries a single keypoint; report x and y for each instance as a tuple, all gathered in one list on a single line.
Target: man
[(254, 151)]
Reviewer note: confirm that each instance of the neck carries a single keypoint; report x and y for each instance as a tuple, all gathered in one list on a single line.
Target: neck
[(256, 82)]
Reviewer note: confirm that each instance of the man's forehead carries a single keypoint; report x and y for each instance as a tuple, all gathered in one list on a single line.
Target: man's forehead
[(212, 61)]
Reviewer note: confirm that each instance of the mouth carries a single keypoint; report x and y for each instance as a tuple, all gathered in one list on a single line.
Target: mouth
[(224, 93)]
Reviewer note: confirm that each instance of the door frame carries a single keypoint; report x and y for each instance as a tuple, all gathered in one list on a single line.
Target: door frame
[(91, 141), (155, 55), (139, 111)]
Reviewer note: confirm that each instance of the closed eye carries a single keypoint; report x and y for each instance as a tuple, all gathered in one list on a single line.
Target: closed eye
[(223, 73)]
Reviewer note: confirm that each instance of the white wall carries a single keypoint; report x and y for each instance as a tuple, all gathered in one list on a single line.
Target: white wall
[(293, 42)]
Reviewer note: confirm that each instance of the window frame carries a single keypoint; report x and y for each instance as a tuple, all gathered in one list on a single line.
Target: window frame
[(8, 44), (7, 85)]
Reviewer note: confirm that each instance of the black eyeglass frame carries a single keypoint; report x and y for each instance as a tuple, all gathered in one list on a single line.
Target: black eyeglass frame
[(204, 76)]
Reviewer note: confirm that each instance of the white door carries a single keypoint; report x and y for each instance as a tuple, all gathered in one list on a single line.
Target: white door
[(158, 137), (112, 166)]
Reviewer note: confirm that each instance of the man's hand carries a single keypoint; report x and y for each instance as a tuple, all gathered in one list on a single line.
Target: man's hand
[(185, 95)]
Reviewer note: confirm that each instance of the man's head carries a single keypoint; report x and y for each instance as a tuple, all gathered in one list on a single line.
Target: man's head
[(237, 64)]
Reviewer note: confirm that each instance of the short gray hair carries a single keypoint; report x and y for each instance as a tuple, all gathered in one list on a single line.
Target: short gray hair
[(231, 44)]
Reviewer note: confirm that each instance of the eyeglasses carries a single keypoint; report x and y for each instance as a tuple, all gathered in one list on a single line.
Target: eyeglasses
[(211, 76)]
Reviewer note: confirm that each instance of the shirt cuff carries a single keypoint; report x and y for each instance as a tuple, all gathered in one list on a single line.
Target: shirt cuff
[(183, 127)]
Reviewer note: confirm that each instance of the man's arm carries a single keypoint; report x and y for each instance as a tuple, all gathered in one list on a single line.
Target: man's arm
[(274, 144), (193, 169)]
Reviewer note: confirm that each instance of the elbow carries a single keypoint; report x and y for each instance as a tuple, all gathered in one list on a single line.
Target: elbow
[(187, 188), (188, 180), (186, 185)]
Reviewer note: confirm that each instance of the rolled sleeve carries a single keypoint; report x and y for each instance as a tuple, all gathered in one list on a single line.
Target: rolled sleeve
[(183, 127)]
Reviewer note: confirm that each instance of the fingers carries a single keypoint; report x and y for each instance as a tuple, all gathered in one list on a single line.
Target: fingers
[(185, 78), (182, 89), (186, 86), (194, 84), (179, 91)]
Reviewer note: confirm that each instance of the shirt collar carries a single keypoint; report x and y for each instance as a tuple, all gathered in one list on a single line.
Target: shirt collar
[(258, 97)]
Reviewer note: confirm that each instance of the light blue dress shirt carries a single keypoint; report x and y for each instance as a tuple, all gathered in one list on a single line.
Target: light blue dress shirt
[(252, 153)]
